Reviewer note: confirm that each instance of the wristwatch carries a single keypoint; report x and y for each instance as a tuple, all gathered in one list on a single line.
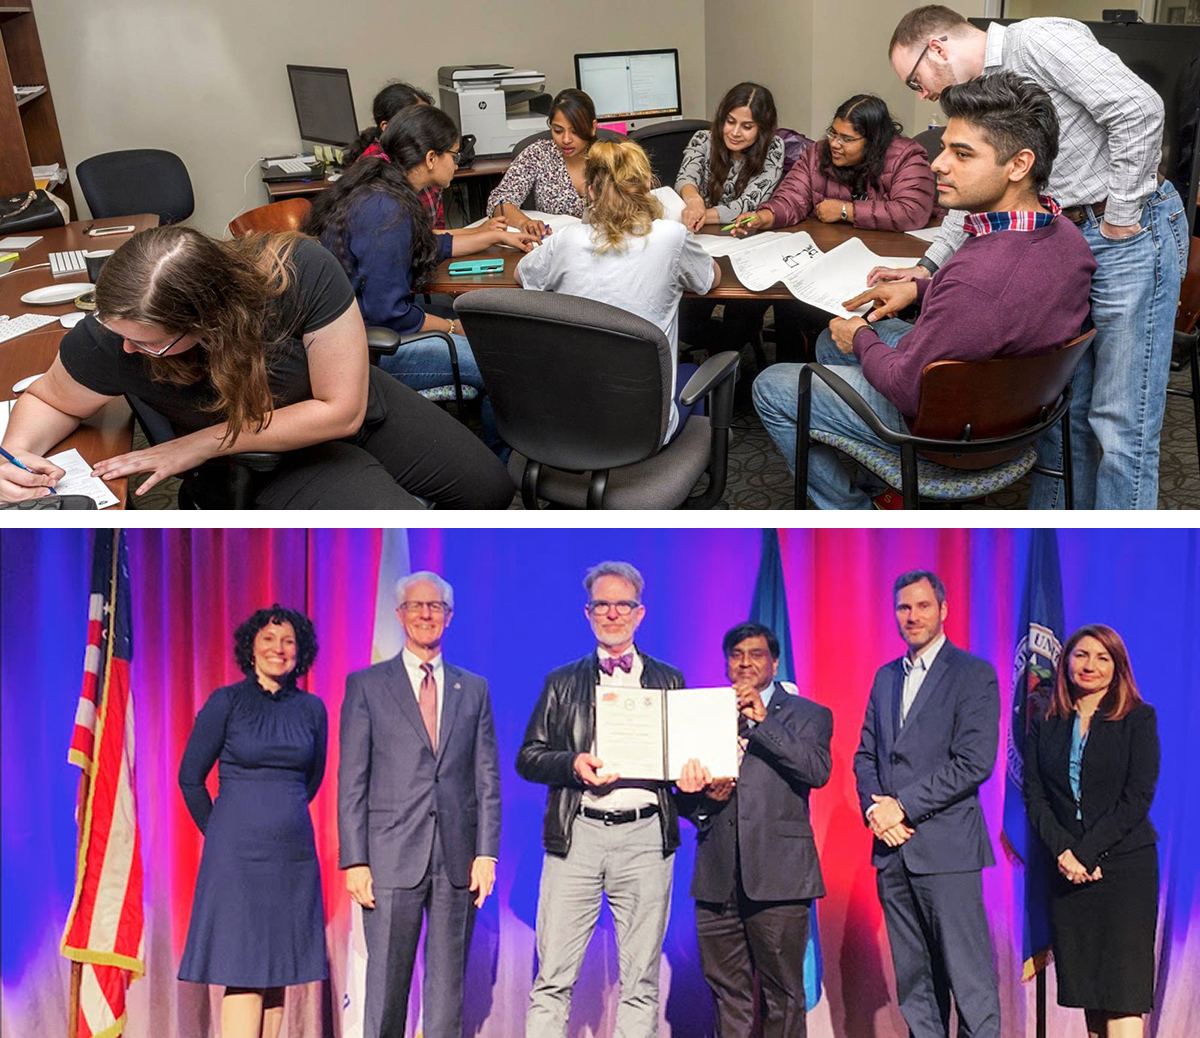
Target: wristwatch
[(843, 210)]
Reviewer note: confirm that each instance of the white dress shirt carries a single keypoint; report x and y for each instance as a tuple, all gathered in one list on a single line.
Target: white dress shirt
[(915, 672), (620, 796)]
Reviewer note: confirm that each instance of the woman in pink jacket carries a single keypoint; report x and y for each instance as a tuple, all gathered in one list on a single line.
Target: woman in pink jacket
[(863, 173)]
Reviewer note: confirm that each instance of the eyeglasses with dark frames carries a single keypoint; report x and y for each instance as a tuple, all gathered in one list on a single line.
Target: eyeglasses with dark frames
[(911, 81)]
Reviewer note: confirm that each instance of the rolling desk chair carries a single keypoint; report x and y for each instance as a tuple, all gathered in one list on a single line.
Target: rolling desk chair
[(665, 143), (145, 180), (931, 141)]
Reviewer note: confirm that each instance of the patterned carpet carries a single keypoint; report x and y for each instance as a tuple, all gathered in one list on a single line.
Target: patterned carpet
[(759, 478)]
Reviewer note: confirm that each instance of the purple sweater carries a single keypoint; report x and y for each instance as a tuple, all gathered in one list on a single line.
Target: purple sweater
[(903, 201), (1004, 294)]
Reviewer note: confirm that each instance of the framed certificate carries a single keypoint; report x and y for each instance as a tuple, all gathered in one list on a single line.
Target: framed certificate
[(648, 733)]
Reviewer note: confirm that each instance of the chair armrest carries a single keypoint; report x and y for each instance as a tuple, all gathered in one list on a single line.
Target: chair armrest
[(708, 376), (381, 341), (846, 393), (448, 339), (256, 461)]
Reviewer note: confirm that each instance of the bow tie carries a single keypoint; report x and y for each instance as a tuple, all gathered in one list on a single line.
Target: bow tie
[(610, 663)]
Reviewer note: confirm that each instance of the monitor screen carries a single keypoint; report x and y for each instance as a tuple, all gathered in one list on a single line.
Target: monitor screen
[(324, 105), (630, 84)]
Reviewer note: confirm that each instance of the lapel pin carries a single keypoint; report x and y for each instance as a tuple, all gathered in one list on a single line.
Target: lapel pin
[(457, 685)]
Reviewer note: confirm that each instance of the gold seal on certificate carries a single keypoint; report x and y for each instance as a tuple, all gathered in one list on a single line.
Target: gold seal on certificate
[(648, 733)]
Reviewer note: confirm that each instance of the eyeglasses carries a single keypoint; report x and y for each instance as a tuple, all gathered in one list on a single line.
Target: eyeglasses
[(911, 82), (841, 138), (152, 348), (457, 156), (437, 608), (597, 607)]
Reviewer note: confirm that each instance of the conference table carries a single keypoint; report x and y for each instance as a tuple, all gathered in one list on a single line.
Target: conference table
[(110, 431), (826, 236)]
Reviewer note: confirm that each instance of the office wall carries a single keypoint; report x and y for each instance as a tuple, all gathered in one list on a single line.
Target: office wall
[(813, 54), (206, 78)]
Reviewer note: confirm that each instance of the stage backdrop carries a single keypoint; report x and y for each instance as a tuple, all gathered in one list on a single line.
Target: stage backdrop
[(518, 613)]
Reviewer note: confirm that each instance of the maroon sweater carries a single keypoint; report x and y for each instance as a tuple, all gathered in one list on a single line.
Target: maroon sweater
[(903, 201), (1004, 294)]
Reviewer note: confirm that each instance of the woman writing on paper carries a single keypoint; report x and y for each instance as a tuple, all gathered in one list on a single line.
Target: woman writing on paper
[(864, 173), (254, 344), (258, 922), (552, 169), (374, 222), (1091, 768), (626, 255), (733, 167)]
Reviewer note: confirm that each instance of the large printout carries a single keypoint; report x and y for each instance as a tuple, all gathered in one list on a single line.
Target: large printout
[(839, 274), (774, 260), (648, 733), (725, 245)]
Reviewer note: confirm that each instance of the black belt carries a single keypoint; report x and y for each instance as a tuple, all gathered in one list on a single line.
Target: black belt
[(619, 817), (1078, 213)]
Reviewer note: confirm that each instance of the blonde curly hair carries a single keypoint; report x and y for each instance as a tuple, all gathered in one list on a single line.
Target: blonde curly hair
[(619, 182)]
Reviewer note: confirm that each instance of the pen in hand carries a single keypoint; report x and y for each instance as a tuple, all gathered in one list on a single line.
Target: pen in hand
[(739, 221), (21, 465)]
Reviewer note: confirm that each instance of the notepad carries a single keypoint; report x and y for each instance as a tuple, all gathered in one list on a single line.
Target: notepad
[(79, 479), (19, 242)]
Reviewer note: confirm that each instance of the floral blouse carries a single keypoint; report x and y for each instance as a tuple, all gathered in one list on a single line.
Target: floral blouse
[(540, 168), (694, 171)]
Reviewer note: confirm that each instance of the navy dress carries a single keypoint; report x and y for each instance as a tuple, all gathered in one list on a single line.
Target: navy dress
[(257, 916)]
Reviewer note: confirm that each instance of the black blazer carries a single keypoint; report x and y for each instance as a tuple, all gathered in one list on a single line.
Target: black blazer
[(1116, 785), (765, 824), (563, 726), (934, 764)]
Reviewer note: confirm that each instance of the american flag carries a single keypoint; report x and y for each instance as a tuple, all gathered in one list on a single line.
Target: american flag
[(104, 929)]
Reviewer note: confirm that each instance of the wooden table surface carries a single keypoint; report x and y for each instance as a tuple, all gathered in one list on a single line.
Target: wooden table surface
[(826, 236), (110, 431), (291, 188)]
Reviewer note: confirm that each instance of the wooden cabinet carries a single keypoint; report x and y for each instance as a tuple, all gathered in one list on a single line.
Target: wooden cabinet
[(28, 127)]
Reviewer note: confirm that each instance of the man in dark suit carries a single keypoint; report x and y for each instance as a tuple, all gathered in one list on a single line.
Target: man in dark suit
[(756, 862), (418, 813), (928, 743), (603, 836)]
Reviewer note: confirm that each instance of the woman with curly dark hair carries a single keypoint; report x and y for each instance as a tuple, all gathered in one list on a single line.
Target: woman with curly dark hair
[(258, 923), (374, 222), (864, 173)]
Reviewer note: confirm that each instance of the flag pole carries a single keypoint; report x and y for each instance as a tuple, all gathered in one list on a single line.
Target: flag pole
[(85, 780), (1040, 1018)]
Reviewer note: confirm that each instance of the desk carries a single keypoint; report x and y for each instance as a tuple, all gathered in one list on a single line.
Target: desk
[(826, 235), (470, 180), (110, 431)]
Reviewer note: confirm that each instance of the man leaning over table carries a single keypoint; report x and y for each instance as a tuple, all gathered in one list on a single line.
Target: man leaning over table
[(602, 835), (1106, 178), (1018, 286)]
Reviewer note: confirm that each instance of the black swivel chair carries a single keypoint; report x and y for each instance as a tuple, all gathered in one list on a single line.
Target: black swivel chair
[(145, 180), (931, 141), (665, 143), (581, 391)]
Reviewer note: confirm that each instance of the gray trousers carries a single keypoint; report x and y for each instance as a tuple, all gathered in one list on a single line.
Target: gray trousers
[(625, 862), (941, 946)]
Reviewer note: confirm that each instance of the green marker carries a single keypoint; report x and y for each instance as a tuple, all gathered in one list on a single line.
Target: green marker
[(739, 221)]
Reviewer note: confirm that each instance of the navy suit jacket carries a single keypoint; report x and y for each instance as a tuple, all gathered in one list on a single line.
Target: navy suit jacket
[(392, 787), (765, 824), (934, 764)]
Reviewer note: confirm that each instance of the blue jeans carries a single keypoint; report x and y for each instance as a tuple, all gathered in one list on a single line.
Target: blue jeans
[(425, 363), (1119, 389), (775, 400)]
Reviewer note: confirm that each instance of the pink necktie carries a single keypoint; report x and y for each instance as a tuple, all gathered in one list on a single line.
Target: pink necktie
[(427, 699)]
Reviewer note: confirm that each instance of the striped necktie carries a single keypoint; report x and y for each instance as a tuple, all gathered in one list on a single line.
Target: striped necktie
[(427, 700), (743, 738)]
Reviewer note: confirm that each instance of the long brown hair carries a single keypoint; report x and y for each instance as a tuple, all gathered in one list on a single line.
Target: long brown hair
[(619, 182), (1122, 695), (220, 291), (762, 107)]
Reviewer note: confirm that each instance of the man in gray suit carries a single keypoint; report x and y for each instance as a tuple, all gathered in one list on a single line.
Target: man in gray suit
[(928, 742), (756, 861), (418, 813)]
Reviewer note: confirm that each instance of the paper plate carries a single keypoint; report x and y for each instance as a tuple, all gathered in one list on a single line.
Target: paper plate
[(52, 294)]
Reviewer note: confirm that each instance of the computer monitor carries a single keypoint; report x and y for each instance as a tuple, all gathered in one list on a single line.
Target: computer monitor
[(631, 84), (324, 104)]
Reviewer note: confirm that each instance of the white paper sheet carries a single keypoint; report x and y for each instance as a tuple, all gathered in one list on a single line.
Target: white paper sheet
[(839, 274), (723, 245), (672, 204), (78, 479), (926, 233), (702, 724), (629, 731), (774, 260)]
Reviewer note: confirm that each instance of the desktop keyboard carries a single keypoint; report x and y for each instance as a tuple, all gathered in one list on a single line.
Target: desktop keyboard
[(292, 165), (67, 263), (11, 327)]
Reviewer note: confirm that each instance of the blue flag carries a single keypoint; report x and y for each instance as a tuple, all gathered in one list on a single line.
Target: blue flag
[(1039, 640), (769, 608)]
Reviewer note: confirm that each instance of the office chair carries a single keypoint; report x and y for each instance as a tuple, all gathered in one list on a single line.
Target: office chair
[(1187, 334), (931, 141), (582, 393), (287, 215), (976, 427), (665, 143), (145, 180)]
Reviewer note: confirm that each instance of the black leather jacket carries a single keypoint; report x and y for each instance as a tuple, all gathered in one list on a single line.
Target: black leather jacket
[(563, 726)]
